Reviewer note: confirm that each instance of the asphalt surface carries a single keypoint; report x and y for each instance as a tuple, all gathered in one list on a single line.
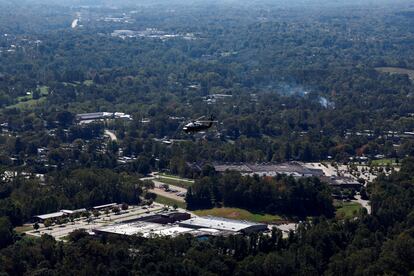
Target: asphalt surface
[(61, 231), (111, 135)]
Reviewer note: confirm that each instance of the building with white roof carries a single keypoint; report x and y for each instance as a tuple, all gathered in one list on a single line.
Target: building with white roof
[(50, 216), (56, 215), (144, 229), (223, 224), (151, 230), (105, 206)]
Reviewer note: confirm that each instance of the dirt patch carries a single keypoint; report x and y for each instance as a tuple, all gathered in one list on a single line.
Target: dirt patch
[(233, 215)]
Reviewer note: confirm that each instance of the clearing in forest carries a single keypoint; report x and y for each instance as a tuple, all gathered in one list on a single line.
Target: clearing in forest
[(240, 214)]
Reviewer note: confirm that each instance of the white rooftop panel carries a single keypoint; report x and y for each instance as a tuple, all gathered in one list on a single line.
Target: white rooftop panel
[(51, 215), (218, 223)]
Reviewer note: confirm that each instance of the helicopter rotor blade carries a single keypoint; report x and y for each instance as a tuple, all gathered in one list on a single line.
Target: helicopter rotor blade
[(207, 121)]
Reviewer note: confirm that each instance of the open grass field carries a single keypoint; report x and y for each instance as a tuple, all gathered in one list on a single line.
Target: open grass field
[(88, 82), (347, 209), (241, 214), (175, 182), (27, 101), (384, 162), (22, 229), (170, 202), (175, 177), (30, 104)]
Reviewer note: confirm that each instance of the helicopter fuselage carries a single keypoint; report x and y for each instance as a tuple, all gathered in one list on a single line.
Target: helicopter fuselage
[(196, 127)]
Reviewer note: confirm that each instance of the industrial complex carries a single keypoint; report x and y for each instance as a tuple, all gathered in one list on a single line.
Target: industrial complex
[(147, 222), (85, 118), (196, 226), (295, 169)]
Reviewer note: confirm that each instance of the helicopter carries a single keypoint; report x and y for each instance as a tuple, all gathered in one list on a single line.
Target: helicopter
[(198, 125)]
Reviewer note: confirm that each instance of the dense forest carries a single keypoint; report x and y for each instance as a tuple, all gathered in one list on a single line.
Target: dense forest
[(279, 195), (302, 95)]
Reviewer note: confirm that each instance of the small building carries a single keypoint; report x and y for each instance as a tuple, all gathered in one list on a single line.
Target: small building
[(94, 116), (342, 182), (50, 216), (105, 206), (121, 115), (57, 215), (73, 212), (223, 224)]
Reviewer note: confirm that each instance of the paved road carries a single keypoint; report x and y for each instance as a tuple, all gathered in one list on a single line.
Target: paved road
[(163, 193), (159, 184), (365, 203), (61, 231), (111, 135), (177, 178), (160, 191)]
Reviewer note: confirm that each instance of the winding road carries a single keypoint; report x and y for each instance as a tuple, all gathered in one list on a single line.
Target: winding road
[(111, 135)]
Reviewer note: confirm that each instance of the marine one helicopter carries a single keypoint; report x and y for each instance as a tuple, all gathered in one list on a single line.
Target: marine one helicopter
[(198, 125)]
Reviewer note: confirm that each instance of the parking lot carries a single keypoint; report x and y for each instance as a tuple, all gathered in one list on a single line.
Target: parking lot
[(62, 230)]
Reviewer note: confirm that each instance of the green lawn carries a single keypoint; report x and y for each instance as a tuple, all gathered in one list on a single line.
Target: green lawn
[(241, 214), (88, 82), (175, 182), (170, 202), (176, 177), (24, 228), (347, 209), (384, 162), (44, 90), (28, 104), (27, 101)]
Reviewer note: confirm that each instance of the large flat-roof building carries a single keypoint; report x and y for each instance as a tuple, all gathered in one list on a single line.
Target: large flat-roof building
[(151, 226), (223, 224), (165, 218), (292, 168), (102, 115), (342, 182), (94, 116), (149, 230)]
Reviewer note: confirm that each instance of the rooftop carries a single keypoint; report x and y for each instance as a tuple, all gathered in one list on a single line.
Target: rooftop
[(51, 215), (105, 206), (220, 224), (145, 229), (292, 168)]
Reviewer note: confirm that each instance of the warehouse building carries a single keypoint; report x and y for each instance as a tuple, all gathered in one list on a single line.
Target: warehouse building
[(223, 224), (164, 218), (149, 230), (94, 116), (200, 227), (292, 168), (99, 116)]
